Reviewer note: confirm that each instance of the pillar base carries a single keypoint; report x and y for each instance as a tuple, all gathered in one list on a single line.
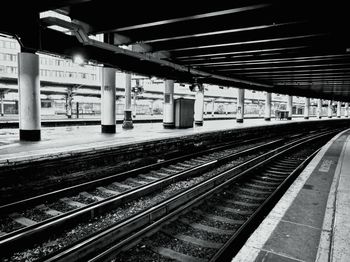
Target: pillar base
[(198, 123), (29, 135), (69, 116), (168, 125), (2, 114), (329, 117), (319, 117), (306, 117), (127, 123), (267, 118), (239, 120), (338, 116), (289, 118), (109, 129)]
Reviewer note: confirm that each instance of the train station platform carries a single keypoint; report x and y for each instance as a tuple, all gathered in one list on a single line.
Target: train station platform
[(58, 141), (311, 222)]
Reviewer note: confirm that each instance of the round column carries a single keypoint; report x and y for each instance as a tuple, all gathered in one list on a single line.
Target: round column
[(338, 109), (108, 118), (267, 115), (212, 107), (127, 122), (199, 106), (307, 108), (346, 112), (329, 109), (168, 106), (2, 105), (240, 106), (290, 107), (29, 97), (319, 109)]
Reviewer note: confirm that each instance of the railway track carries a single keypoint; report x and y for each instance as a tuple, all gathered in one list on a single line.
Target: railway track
[(144, 183), (35, 216)]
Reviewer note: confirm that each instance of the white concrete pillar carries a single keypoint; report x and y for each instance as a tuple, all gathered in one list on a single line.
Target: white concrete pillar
[(2, 112), (290, 107), (151, 108), (329, 109), (212, 107), (127, 122), (240, 106), (69, 102), (205, 108), (108, 100), (169, 105), (134, 111), (346, 111), (307, 108), (226, 108), (29, 97), (338, 109), (199, 106), (267, 115), (319, 109)]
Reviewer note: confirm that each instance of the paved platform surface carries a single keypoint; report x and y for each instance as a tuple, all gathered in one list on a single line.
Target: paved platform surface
[(74, 138), (312, 220)]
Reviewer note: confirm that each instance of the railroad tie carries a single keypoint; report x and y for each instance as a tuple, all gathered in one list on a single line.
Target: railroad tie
[(241, 203), (263, 187), (272, 171), (49, 211), (243, 195), (159, 173), (184, 165), (139, 182), (169, 170), (107, 191), (22, 220), (72, 203), (253, 191), (271, 178), (177, 167), (220, 218), (169, 253), (234, 210), (122, 185), (264, 182), (148, 177), (207, 228)]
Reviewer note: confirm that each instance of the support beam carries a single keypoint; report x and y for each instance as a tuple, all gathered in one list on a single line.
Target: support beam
[(127, 123), (329, 109), (319, 109), (108, 118), (134, 105), (212, 107), (29, 97), (268, 107), (2, 111), (69, 101), (290, 107), (151, 108), (338, 109), (346, 111), (168, 106), (240, 106), (199, 106), (307, 108)]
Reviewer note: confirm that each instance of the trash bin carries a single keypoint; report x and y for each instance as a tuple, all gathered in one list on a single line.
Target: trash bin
[(184, 113)]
